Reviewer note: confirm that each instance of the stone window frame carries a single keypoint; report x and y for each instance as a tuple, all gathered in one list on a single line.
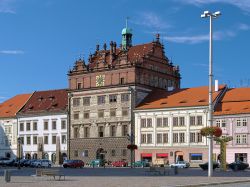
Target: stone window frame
[(63, 124), (46, 124), (86, 114), (113, 130), (101, 99), (28, 138), (28, 126), (46, 140), (125, 97), (86, 101), (101, 113), (86, 132), (21, 126), (112, 112), (54, 124), (113, 98), (63, 140), (101, 131), (34, 139), (53, 139), (34, 125), (76, 101)]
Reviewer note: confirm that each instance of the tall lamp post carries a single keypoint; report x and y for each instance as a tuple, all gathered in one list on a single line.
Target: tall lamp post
[(19, 141), (207, 14)]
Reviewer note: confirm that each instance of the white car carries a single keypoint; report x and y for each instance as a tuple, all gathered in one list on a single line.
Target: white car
[(42, 163), (180, 164)]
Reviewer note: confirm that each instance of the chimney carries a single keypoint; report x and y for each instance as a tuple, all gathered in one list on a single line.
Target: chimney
[(97, 47), (216, 85), (114, 47), (111, 47)]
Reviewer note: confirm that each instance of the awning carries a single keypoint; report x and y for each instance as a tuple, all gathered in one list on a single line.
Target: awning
[(146, 155), (196, 154), (162, 155)]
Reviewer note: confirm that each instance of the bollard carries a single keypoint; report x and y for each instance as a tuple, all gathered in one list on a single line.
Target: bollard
[(7, 175), (175, 170)]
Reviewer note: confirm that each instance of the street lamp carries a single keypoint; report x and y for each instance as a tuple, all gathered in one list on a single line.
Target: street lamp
[(210, 105)]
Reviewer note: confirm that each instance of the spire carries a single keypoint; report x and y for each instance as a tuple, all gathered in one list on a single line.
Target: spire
[(126, 37)]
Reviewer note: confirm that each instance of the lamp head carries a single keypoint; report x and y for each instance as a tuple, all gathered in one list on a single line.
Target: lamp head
[(218, 13)]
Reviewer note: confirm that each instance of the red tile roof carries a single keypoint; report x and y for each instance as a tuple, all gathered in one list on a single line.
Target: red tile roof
[(235, 101), (46, 101), (10, 107), (185, 97)]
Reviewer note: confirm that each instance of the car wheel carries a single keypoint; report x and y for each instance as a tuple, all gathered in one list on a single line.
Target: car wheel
[(65, 166)]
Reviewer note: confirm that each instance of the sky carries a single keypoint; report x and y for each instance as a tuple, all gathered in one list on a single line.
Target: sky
[(41, 39)]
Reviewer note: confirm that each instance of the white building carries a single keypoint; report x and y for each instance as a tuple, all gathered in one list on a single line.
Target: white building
[(167, 125), (42, 125), (8, 124)]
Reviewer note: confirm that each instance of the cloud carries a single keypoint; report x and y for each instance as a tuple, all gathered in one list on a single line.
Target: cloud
[(242, 4), (151, 20), (6, 6), (244, 27), (12, 52)]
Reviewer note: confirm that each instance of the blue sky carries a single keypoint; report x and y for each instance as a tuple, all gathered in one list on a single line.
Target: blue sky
[(41, 39)]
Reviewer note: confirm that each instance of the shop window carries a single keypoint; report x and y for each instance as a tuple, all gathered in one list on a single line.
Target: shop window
[(195, 156)]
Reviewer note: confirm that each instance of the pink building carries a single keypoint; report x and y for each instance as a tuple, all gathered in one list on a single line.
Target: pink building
[(232, 114)]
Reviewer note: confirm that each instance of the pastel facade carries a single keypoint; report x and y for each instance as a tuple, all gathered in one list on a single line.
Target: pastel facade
[(232, 114), (167, 125), (8, 124)]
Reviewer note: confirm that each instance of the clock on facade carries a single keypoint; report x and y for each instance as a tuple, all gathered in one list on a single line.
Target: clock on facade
[(100, 79)]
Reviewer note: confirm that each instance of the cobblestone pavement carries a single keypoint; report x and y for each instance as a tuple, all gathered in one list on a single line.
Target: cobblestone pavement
[(123, 177)]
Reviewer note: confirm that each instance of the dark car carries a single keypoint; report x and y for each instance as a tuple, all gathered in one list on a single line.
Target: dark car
[(97, 163), (238, 165), (120, 163), (142, 163), (204, 166), (73, 164), (6, 161)]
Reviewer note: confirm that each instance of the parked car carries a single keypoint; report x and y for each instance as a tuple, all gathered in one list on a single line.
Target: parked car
[(73, 164), (22, 161), (238, 165), (180, 164), (120, 163), (204, 166), (142, 163), (4, 161), (97, 163), (42, 163), (29, 162)]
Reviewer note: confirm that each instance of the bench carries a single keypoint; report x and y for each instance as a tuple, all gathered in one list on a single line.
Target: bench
[(158, 170), (50, 173)]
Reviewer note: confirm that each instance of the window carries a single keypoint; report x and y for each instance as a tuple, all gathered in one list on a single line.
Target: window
[(199, 137), (113, 112), (244, 122), (122, 80), (124, 112), (21, 126), (76, 132), (143, 123), (196, 156), (241, 139), (223, 123), (112, 98), (241, 157), (112, 130), (100, 113), (86, 153), (63, 124), (86, 132), (218, 123), (86, 101), (238, 122), (181, 121), (175, 137), (149, 122), (28, 140), (159, 138), (143, 138), (237, 139), (192, 120), (165, 122), (182, 137), (175, 121), (64, 140), (34, 140), (101, 99), (53, 125), (46, 140), (76, 115), (199, 120), (124, 97), (101, 131), (165, 137), (22, 139), (76, 102), (28, 126), (53, 139), (192, 137), (112, 152), (76, 153), (124, 152), (45, 125), (79, 85), (149, 138), (34, 126), (86, 115), (159, 122), (124, 130)]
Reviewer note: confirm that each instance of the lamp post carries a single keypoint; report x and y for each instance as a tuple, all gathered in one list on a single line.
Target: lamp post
[(207, 14), (19, 141)]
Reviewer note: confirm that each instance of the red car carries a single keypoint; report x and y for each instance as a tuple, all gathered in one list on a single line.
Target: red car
[(73, 164), (119, 163)]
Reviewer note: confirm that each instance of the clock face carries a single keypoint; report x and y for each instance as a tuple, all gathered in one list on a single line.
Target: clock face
[(100, 79)]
